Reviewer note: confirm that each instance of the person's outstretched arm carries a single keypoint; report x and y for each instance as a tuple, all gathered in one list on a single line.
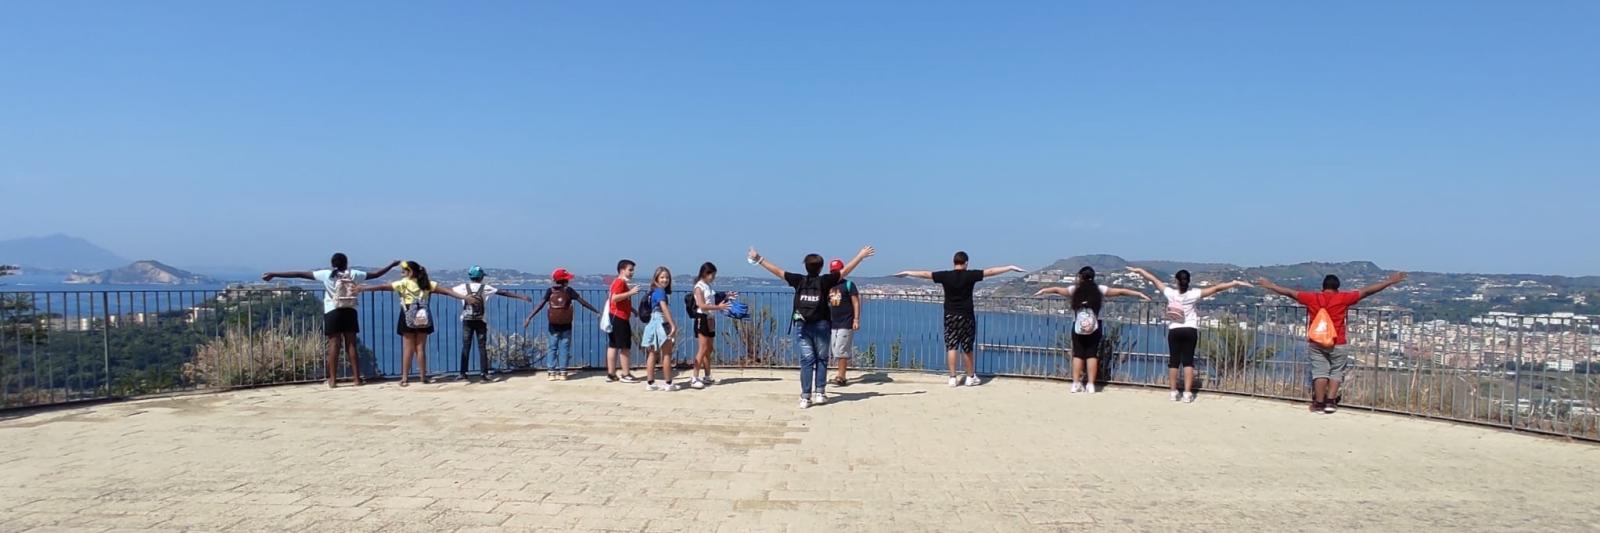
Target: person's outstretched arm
[(866, 251), (532, 314), (1274, 287), (764, 263), (583, 302), (383, 271), (919, 274), (1113, 292), (514, 296), (1376, 288), (291, 275), (440, 290), (995, 271), (1160, 287), (382, 287), (1058, 291), (1225, 286)]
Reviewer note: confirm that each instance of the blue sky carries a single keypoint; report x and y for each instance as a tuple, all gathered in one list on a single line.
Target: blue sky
[(1451, 136)]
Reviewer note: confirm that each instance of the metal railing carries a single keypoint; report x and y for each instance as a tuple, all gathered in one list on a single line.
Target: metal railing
[(1530, 374)]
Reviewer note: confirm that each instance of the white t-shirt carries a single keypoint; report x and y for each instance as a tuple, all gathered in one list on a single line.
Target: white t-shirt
[(330, 301), (1184, 301), (464, 289), (705, 291), (1103, 289)]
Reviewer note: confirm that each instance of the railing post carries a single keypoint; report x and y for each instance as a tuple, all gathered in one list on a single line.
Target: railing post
[(1377, 353), (1516, 387), (105, 340)]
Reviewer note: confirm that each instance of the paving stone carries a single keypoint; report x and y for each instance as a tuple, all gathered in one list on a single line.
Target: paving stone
[(907, 454)]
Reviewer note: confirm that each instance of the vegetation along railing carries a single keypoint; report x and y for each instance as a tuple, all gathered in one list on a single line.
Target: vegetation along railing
[(1514, 372)]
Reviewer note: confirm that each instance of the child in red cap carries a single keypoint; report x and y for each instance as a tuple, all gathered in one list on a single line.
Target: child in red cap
[(559, 298), (844, 310)]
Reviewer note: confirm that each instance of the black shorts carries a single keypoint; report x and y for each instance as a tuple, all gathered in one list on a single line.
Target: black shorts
[(340, 321), (704, 328), (1086, 346), (960, 332), (1180, 344), (402, 329), (621, 336)]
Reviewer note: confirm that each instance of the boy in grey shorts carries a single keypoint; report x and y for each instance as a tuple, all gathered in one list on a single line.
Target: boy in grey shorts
[(844, 310), (1330, 363)]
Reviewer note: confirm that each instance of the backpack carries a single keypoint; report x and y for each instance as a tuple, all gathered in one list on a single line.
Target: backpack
[(1086, 321), (808, 298), (345, 291), (416, 313), (560, 299), (643, 310), (1175, 313), (1322, 334), (472, 306), (690, 306)]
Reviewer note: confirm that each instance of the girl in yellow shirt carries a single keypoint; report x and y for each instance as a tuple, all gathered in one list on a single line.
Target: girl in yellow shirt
[(415, 328)]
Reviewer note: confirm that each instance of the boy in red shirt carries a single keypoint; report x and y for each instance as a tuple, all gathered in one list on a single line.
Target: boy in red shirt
[(620, 340), (1329, 365)]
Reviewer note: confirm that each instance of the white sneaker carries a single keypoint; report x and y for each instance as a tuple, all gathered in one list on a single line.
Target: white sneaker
[(1176, 395), (955, 381), (819, 398), (697, 384), (805, 403), (1089, 388), (669, 387), (1188, 397), (708, 381), (1077, 387), (650, 387), (973, 380)]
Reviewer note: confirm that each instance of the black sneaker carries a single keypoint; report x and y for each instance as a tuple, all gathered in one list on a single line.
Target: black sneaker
[(611, 378), (463, 377), (1318, 407), (625, 378)]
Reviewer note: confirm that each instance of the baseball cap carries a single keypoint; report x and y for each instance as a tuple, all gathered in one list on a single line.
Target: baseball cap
[(836, 266), (560, 275), (476, 272)]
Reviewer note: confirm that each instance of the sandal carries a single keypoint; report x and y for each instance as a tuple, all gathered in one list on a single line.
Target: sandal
[(404, 383)]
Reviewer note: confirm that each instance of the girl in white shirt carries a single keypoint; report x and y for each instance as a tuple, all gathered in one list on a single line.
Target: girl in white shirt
[(705, 325), (1183, 326)]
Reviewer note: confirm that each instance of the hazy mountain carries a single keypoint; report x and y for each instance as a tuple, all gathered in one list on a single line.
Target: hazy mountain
[(57, 253), (141, 273), (1450, 296)]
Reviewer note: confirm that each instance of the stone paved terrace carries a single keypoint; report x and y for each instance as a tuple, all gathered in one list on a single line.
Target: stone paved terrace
[(905, 453)]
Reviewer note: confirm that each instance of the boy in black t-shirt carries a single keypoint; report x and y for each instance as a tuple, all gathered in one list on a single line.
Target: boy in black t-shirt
[(960, 321), (560, 298), (812, 315)]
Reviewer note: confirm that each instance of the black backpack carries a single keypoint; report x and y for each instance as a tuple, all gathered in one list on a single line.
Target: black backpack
[(643, 310), (808, 298), (690, 306)]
